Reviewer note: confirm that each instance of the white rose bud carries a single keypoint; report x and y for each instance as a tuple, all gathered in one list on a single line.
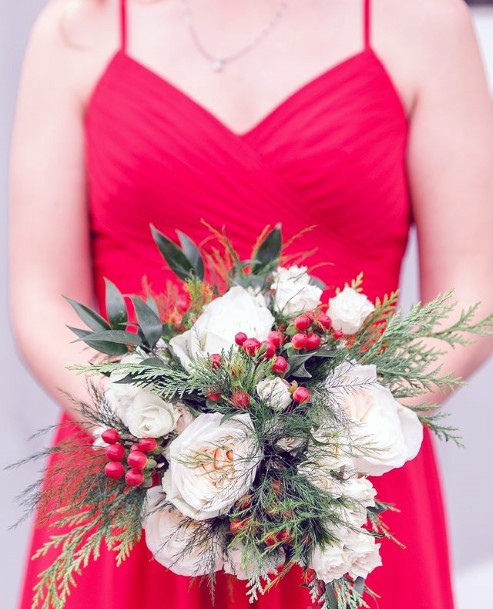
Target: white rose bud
[(185, 417), (363, 554), (235, 562), (330, 563), (348, 310), (150, 417), (293, 291), (275, 392)]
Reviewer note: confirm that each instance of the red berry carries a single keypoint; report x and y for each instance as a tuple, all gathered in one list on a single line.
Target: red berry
[(236, 525), (137, 459), (301, 395), (251, 346), (313, 341), (146, 445), (134, 477), (299, 341), (302, 322), (134, 447), (213, 395), (276, 338), (271, 540), (114, 470), (156, 480), (215, 361), (270, 349), (276, 486), (240, 399), (240, 338), (110, 436), (115, 452), (280, 365), (337, 334), (285, 537), (244, 503), (325, 321)]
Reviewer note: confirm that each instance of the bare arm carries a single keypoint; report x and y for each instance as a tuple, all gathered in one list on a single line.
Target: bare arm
[(49, 233), (450, 165)]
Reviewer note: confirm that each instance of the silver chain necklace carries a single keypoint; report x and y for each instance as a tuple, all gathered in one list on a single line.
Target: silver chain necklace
[(218, 63)]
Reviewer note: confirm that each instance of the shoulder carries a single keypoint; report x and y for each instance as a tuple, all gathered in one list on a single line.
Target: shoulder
[(69, 41)]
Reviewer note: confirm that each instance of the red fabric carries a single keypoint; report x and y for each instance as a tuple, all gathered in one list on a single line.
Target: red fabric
[(331, 155)]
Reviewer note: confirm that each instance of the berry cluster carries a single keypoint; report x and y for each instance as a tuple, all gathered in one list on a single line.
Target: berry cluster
[(136, 461)]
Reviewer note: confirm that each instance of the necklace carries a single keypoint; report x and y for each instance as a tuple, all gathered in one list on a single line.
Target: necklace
[(218, 63)]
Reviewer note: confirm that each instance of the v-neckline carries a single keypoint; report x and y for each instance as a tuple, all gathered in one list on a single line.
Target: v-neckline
[(121, 55)]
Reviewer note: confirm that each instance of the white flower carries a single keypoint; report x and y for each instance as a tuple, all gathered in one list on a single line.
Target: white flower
[(235, 562), (385, 434), (120, 395), (348, 310), (275, 392), (293, 291), (215, 330), (360, 490), (290, 444), (185, 417), (169, 540), (362, 553), (211, 465), (331, 563), (148, 416)]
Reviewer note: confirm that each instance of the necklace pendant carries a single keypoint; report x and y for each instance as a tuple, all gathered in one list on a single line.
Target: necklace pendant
[(218, 65)]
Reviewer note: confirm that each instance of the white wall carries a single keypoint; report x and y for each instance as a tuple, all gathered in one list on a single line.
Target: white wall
[(25, 409)]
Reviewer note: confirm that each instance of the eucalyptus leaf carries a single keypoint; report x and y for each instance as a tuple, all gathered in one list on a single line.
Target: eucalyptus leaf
[(115, 336), (109, 348), (269, 250), (359, 585), (176, 259), (331, 597), (149, 322), (92, 319), (115, 305), (193, 255), (153, 362)]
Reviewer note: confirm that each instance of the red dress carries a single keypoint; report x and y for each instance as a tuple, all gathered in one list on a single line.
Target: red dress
[(331, 155)]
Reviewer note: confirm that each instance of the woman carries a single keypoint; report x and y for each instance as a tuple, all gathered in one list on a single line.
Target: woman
[(353, 115)]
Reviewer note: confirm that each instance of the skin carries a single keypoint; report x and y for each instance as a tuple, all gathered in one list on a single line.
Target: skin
[(428, 47)]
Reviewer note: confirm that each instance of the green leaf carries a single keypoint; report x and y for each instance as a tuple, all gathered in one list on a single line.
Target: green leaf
[(115, 305), (269, 250), (115, 336), (92, 319), (176, 259), (192, 252), (102, 346), (149, 322), (153, 362)]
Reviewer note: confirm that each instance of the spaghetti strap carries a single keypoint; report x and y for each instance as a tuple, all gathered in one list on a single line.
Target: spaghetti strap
[(123, 26), (367, 23)]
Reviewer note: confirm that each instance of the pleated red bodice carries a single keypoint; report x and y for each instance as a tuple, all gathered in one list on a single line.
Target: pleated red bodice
[(333, 155)]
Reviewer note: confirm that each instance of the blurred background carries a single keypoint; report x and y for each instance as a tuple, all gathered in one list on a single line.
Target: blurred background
[(25, 408)]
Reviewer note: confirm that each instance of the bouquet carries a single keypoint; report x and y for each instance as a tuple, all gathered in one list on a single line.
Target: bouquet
[(240, 422)]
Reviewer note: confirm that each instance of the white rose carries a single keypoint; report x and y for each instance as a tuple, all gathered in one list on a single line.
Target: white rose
[(360, 490), (185, 417), (235, 562), (275, 392), (293, 291), (290, 444), (211, 465), (386, 434), (119, 396), (148, 416), (362, 553), (348, 310), (330, 563), (169, 539), (215, 330)]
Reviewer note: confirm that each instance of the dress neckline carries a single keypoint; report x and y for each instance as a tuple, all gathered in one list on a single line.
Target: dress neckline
[(366, 53)]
